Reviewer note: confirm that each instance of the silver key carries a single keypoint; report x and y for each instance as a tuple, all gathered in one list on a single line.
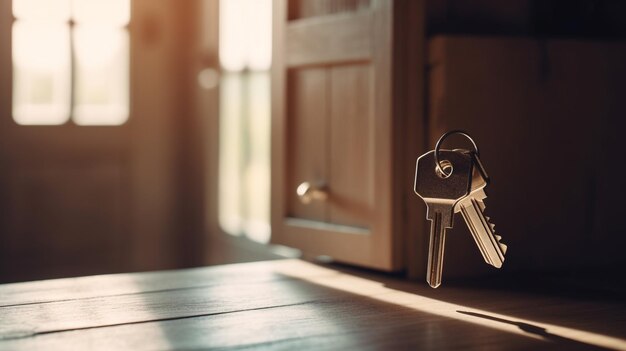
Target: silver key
[(441, 194), (472, 208)]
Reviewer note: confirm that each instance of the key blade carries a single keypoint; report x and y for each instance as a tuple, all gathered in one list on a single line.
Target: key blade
[(473, 210), (441, 219), (436, 249), (478, 195), (482, 231)]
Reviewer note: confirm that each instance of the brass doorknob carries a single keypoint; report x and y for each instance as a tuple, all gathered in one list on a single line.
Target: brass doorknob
[(308, 192)]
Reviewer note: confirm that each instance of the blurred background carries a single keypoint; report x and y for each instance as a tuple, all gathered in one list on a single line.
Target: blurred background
[(129, 135), (137, 134)]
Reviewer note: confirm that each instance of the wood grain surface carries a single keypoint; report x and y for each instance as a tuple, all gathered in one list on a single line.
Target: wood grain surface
[(291, 304)]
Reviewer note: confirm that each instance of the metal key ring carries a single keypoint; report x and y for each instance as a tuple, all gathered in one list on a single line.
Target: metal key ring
[(438, 166)]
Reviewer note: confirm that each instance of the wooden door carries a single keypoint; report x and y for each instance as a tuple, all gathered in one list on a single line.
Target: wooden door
[(534, 106), (338, 126), (79, 199)]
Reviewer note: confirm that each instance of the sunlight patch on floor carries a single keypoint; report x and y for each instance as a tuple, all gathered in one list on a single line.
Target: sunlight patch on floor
[(376, 290)]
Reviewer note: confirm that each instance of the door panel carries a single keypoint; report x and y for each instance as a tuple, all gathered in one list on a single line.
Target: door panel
[(351, 146), (329, 40), (351, 112), (308, 130)]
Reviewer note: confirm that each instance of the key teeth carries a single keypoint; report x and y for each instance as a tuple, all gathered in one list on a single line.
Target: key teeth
[(503, 247), (480, 198), (498, 237)]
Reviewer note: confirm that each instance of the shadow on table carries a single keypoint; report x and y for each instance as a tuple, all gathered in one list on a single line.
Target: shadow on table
[(536, 330)]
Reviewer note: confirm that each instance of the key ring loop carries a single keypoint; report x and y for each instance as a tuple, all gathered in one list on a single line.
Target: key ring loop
[(438, 166)]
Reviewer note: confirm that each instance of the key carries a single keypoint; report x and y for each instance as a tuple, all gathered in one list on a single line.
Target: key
[(472, 209), (441, 194)]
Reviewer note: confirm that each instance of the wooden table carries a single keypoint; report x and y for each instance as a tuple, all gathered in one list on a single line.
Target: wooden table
[(294, 305)]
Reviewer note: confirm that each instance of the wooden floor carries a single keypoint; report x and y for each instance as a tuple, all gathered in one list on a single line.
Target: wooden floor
[(295, 305)]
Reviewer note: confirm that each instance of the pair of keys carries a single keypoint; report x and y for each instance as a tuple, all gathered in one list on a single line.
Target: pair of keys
[(449, 182)]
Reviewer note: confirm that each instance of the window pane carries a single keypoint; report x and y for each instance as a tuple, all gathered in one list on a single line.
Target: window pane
[(42, 10), (102, 78), (244, 180), (231, 166), (113, 12), (41, 73), (232, 34), (257, 176), (245, 34), (259, 50)]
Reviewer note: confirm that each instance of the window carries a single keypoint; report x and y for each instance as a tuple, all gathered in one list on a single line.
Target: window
[(70, 62), (245, 57)]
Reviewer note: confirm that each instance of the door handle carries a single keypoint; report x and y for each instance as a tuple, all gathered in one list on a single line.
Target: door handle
[(308, 192)]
